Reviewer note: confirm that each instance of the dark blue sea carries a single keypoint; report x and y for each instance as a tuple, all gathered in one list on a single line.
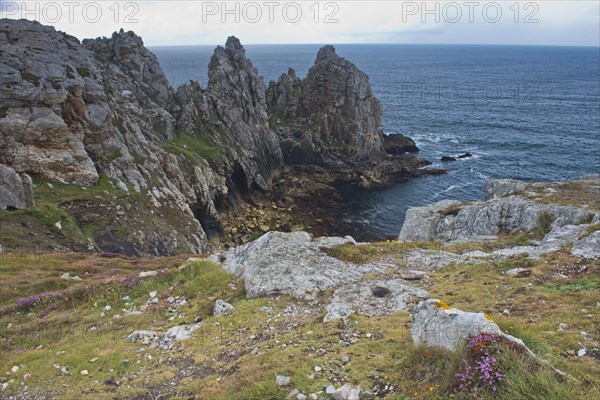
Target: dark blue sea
[(525, 112)]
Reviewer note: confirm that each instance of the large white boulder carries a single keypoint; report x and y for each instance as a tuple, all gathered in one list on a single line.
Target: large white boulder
[(291, 263), (436, 324)]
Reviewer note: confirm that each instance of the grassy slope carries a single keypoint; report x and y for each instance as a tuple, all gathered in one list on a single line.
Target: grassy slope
[(218, 362)]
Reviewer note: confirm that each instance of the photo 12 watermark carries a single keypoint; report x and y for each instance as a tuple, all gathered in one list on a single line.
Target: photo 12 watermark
[(51, 12), (453, 12)]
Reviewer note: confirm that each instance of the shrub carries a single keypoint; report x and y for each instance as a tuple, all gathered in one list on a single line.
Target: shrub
[(544, 223)]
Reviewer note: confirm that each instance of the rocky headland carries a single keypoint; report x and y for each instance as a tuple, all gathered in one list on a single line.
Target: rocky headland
[(162, 171)]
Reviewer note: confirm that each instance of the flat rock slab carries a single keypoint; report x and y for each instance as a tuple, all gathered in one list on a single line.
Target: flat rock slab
[(291, 263), (372, 298), (588, 247)]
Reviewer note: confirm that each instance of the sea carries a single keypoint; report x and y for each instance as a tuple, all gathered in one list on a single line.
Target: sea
[(523, 112)]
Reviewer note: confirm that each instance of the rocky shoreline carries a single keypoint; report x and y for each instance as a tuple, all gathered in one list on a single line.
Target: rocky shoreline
[(172, 170)]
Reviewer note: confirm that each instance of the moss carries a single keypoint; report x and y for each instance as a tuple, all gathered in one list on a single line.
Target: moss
[(193, 148)]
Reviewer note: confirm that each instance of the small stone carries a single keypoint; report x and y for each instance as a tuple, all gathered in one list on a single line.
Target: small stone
[(281, 380), (145, 274), (300, 397), (93, 360), (15, 369), (153, 294), (292, 394), (223, 308), (506, 312), (107, 308), (84, 372), (380, 291), (26, 377), (318, 369), (345, 359), (330, 390), (4, 386), (582, 352), (254, 350), (519, 272), (561, 327), (411, 277)]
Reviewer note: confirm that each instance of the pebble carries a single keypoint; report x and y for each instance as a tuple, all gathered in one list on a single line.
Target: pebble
[(153, 294), (84, 372), (4, 386), (15, 369), (281, 380), (318, 369), (107, 308), (93, 360), (26, 377), (345, 359), (562, 326)]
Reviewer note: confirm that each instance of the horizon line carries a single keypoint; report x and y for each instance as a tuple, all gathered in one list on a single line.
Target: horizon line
[(384, 44)]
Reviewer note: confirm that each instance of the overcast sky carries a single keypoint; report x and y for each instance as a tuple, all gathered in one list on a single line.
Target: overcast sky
[(162, 22)]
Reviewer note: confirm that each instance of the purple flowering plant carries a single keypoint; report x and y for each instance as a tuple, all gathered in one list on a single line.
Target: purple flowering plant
[(479, 371)]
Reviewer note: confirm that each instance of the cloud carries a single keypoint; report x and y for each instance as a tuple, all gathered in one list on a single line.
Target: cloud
[(205, 22)]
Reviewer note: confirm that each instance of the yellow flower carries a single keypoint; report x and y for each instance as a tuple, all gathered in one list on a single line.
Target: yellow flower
[(430, 388)]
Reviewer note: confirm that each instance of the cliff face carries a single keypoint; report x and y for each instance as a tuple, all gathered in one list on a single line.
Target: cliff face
[(161, 163), (336, 102)]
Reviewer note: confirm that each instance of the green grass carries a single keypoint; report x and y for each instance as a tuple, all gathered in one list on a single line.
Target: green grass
[(193, 148), (558, 288)]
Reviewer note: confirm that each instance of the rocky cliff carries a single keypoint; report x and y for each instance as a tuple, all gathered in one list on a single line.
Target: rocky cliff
[(332, 119), (160, 165)]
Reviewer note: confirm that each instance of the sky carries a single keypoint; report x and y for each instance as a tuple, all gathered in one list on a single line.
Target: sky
[(195, 22)]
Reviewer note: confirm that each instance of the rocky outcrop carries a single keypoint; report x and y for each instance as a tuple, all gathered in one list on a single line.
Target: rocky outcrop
[(503, 187), (436, 324), (399, 144), (588, 247), (290, 263), (331, 119), (450, 220), (72, 111), (336, 103), (101, 112), (15, 191)]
